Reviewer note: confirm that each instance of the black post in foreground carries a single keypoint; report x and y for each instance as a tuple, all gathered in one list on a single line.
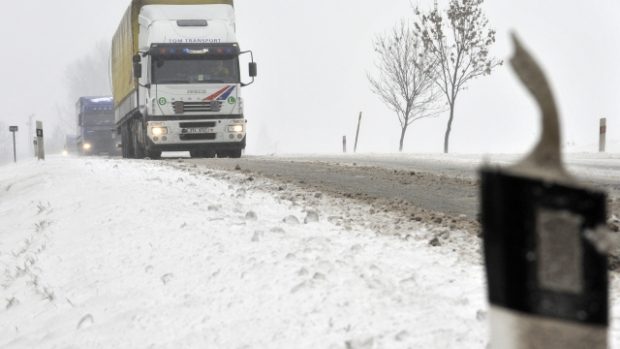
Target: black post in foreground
[(14, 129), (548, 283)]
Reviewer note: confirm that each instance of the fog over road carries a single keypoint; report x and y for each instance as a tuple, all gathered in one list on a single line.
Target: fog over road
[(446, 184)]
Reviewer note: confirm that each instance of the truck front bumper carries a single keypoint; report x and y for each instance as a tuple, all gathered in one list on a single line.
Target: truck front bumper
[(188, 134), (215, 147), (183, 135)]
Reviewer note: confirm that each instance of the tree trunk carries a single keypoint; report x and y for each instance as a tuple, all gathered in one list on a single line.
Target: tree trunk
[(402, 139), (446, 140)]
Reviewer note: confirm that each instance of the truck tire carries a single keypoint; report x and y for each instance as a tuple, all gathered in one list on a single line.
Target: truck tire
[(153, 154), (138, 149), (123, 143), (201, 153), (235, 154), (127, 142)]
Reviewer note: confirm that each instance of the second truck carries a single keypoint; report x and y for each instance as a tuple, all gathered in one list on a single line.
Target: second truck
[(177, 79), (95, 124)]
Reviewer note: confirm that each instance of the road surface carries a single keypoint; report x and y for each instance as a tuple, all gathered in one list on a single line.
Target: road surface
[(442, 184)]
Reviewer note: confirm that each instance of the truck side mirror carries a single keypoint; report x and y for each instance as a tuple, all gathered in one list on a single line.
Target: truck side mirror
[(137, 70), (137, 66), (253, 69)]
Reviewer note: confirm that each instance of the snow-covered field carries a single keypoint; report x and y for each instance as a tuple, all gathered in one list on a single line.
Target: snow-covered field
[(102, 253)]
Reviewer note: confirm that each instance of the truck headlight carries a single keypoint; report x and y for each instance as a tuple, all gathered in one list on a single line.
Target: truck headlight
[(87, 146), (158, 131), (235, 128)]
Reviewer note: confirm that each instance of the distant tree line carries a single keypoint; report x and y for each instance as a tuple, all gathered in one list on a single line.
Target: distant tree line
[(424, 63)]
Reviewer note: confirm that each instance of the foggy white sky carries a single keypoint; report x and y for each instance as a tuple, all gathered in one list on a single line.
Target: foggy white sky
[(313, 57)]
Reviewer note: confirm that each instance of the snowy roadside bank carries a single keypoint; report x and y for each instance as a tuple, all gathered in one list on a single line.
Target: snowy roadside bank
[(100, 253), (135, 254)]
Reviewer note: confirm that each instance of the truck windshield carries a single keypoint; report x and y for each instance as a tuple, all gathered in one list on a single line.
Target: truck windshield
[(98, 119), (187, 71)]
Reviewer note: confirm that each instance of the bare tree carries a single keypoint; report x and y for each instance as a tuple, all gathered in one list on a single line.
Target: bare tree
[(460, 44), (405, 78)]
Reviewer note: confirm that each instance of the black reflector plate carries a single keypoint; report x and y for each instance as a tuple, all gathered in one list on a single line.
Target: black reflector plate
[(537, 257)]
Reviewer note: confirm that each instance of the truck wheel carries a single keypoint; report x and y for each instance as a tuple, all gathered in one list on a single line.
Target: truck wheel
[(138, 150), (123, 142), (127, 142), (235, 154), (199, 153), (122, 149), (153, 154)]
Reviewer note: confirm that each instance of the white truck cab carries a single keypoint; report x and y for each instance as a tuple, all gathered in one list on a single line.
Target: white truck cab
[(187, 77)]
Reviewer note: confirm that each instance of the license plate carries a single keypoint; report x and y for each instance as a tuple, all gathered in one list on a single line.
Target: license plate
[(199, 130)]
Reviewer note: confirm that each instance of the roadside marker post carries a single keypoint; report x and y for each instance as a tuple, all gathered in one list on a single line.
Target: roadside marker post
[(602, 140), (14, 129), (357, 133), (30, 124), (547, 277), (40, 141)]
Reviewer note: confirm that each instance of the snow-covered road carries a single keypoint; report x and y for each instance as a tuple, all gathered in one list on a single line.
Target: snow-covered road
[(100, 253), (594, 167), (444, 183)]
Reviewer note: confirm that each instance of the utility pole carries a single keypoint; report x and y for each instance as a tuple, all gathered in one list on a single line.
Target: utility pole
[(14, 129), (357, 134), (344, 144)]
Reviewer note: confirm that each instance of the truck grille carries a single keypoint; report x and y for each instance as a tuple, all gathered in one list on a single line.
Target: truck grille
[(197, 136), (181, 107), (207, 124)]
